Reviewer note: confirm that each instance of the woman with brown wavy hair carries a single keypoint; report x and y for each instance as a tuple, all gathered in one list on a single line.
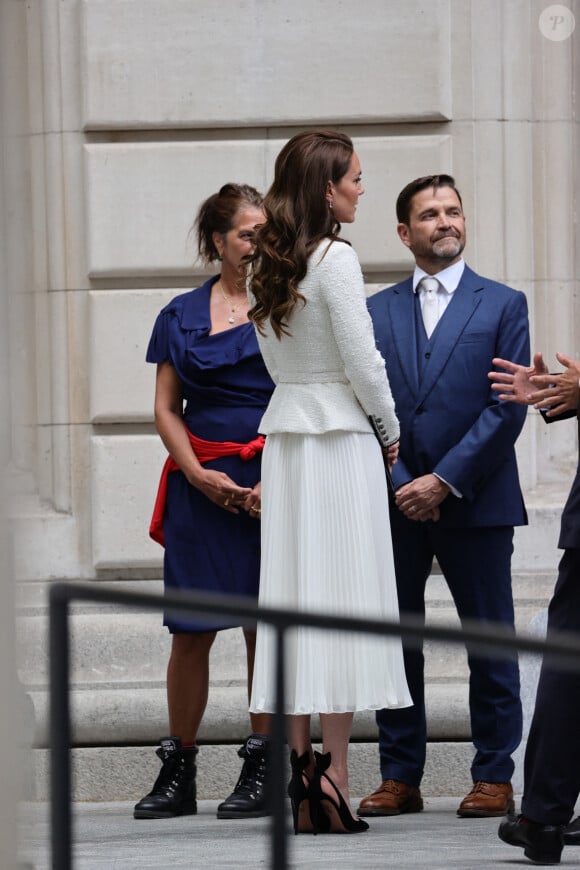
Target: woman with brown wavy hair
[(325, 522)]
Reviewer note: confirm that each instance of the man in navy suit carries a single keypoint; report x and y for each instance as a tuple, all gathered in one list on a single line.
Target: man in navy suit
[(552, 759), (458, 496)]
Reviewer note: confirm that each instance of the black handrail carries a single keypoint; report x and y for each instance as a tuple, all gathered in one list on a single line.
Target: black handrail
[(499, 641)]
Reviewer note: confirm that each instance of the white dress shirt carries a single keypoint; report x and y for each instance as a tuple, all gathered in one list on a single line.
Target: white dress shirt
[(448, 278)]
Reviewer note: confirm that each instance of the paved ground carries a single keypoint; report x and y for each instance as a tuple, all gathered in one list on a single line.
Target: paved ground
[(108, 838)]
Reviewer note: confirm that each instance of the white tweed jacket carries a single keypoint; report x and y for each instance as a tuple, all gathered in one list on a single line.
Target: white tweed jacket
[(328, 373)]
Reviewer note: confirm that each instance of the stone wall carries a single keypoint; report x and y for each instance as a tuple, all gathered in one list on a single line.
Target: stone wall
[(137, 114), (130, 112)]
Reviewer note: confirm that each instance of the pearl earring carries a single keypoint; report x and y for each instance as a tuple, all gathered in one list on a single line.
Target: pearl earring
[(329, 204)]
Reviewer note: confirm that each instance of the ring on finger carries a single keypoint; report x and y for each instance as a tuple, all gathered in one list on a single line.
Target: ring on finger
[(227, 501)]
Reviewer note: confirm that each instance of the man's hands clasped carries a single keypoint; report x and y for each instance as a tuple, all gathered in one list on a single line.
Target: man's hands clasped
[(419, 499)]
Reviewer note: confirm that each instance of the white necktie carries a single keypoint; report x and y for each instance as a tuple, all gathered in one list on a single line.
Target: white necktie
[(430, 304)]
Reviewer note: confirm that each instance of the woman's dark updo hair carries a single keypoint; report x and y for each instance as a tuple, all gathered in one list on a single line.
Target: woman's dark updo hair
[(218, 215)]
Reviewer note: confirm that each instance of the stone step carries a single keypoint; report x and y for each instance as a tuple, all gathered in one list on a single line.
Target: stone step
[(131, 650), (31, 597), (118, 699), (112, 716), (127, 772), (119, 658)]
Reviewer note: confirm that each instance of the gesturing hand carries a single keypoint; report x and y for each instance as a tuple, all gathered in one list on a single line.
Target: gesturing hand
[(559, 392), (536, 386), (514, 384)]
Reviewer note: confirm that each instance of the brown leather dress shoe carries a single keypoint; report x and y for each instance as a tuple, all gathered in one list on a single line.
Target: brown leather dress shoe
[(391, 799), (487, 799)]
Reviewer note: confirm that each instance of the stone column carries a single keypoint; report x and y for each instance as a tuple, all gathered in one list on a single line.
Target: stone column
[(12, 244)]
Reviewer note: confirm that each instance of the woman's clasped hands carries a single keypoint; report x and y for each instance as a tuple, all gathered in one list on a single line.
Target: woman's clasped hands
[(222, 491)]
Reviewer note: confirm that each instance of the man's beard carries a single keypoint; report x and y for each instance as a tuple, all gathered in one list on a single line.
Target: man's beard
[(447, 252)]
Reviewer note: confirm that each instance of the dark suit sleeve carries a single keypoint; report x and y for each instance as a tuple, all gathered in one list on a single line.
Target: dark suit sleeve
[(566, 415), (490, 439), (400, 473)]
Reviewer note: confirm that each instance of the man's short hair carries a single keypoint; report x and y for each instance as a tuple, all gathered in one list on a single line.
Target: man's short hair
[(406, 195)]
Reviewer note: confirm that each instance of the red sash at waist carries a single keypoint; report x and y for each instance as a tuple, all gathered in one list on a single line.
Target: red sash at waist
[(204, 450)]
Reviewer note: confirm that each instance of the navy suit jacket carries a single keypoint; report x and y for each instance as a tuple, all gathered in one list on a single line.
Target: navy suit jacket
[(570, 527), (570, 530), (451, 421)]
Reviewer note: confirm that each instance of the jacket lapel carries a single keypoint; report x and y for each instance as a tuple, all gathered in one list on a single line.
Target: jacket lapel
[(405, 337)]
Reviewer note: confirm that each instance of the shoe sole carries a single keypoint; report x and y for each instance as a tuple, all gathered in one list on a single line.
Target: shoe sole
[(486, 814), (151, 814), (533, 856), (406, 808), (541, 859), (231, 814)]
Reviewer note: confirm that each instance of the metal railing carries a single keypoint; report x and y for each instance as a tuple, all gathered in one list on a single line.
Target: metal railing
[(563, 650)]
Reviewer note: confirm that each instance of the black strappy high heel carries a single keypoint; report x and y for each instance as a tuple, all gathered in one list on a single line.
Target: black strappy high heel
[(339, 818), (299, 792)]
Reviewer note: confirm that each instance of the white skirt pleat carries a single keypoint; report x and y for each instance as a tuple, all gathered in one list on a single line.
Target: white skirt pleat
[(326, 547)]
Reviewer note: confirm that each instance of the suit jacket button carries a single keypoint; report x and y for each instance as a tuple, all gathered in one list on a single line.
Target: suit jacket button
[(420, 409), (427, 355)]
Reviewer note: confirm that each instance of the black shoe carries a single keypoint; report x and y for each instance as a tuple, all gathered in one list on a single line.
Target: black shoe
[(306, 817), (174, 791), (298, 792), (339, 818), (250, 798), (572, 833), (542, 844)]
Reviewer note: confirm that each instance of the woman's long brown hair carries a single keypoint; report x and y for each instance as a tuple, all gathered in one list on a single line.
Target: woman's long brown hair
[(298, 217)]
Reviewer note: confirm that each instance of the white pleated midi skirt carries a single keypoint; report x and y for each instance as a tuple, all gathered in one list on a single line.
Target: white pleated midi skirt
[(326, 547)]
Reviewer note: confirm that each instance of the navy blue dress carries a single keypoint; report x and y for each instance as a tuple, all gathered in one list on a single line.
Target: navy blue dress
[(227, 388)]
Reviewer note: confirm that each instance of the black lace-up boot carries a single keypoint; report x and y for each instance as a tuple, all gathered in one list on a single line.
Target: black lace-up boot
[(250, 798), (174, 791)]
